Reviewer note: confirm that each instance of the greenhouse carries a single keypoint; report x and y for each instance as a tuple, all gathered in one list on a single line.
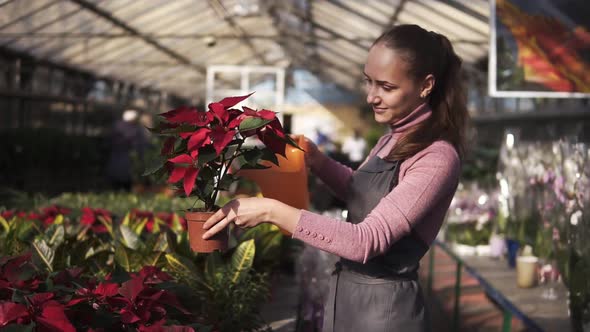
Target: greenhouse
[(297, 165)]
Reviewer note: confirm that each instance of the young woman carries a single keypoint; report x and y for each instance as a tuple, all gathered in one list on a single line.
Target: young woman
[(398, 197)]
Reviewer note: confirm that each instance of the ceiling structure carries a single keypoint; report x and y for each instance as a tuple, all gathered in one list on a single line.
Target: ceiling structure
[(168, 44)]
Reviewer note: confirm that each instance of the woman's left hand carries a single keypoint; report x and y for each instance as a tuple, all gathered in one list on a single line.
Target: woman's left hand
[(243, 212)]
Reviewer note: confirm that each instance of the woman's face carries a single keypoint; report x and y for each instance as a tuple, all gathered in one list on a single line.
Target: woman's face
[(391, 92)]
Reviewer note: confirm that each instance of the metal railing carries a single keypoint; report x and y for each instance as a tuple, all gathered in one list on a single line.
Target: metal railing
[(508, 309)]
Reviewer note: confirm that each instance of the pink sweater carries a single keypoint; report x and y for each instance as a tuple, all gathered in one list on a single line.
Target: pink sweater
[(427, 183)]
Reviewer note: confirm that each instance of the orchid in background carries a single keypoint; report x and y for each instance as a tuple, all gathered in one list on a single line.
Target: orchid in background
[(200, 146)]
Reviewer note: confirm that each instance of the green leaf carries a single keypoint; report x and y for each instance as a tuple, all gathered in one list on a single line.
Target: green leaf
[(226, 182), (206, 154), (4, 224), (154, 166), (242, 259), (57, 238), (130, 239), (45, 253), (214, 267), (181, 264), (152, 259), (268, 155), (253, 123), (122, 257), (252, 156), (92, 251), (59, 219), (269, 244), (19, 328), (126, 219), (138, 227)]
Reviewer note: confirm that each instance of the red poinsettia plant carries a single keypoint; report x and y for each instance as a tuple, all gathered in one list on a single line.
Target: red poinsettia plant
[(200, 146)]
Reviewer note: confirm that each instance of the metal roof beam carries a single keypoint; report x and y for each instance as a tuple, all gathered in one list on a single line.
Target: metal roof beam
[(224, 14), (109, 17)]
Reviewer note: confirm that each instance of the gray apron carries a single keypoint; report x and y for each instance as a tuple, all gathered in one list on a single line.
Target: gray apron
[(382, 294)]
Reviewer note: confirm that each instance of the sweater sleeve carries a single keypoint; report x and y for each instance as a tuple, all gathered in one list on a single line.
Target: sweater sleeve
[(430, 178)]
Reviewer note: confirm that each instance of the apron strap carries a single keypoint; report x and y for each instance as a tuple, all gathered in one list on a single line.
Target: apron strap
[(330, 309)]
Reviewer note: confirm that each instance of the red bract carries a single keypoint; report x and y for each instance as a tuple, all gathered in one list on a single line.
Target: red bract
[(138, 216), (201, 146), (168, 218), (7, 214), (17, 273), (11, 312), (185, 170), (50, 213), (96, 218), (48, 313), (273, 136)]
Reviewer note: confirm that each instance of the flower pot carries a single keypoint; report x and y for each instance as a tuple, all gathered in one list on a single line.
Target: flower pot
[(195, 221), (286, 182)]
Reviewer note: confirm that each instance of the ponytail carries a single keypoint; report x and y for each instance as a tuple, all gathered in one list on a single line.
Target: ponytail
[(431, 53)]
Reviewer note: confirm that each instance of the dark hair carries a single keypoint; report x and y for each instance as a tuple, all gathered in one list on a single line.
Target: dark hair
[(428, 52)]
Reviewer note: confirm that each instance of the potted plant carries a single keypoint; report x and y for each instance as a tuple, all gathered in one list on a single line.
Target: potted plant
[(200, 146)]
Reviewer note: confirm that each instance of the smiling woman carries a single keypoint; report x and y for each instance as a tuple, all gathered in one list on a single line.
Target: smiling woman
[(398, 197)]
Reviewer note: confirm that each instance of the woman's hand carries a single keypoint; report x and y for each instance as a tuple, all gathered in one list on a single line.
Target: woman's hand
[(243, 212), (312, 153), (250, 212)]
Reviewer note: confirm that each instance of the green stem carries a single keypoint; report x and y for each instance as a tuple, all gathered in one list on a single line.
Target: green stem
[(228, 163)]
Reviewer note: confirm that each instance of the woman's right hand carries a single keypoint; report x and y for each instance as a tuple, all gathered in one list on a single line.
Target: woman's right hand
[(312, 153)]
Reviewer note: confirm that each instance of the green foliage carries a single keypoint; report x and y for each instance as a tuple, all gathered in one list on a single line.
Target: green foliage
[(225, 289), (469, 234), (480, 165), (15, 235)]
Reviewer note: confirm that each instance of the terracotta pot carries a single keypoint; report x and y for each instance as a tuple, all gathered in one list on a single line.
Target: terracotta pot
[(195, 221)]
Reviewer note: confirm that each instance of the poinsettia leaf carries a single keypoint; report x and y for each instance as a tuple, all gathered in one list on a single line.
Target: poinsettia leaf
[(189, 180), (221, 138), (220, 112), (206, 154), (252, 156), (177, 130), (21, 328), (233, 101), (155, 165), (269, 155), (11, 311), (244, 165), (199, 138), (226, 182), (252, 123), (291, 142), (131, 288)]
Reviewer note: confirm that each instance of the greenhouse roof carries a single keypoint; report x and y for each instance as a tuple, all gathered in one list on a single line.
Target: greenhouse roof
[(168, 45)]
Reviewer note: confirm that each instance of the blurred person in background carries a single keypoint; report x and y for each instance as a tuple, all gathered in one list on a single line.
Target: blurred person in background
[(127, 137), (396, 200), (354, 146)]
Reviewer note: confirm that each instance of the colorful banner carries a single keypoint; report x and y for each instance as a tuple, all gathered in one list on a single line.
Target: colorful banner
[(540, 48)]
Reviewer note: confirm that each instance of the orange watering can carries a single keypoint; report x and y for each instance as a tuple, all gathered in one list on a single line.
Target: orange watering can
[(286, 182)]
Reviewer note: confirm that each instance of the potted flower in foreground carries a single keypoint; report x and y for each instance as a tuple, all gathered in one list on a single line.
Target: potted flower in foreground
[(201, 145)]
